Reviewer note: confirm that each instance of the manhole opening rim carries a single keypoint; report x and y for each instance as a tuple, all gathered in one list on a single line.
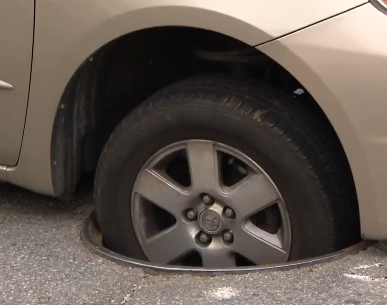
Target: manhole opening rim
[(92, 238)]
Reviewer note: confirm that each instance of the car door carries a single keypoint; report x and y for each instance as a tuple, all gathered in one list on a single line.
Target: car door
[(16, 40)]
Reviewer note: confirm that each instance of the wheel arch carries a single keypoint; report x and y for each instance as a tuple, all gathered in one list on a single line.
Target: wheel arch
[(95, 25), (72, 49)]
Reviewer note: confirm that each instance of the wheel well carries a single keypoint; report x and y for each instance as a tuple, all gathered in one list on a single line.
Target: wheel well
[(122, 74)]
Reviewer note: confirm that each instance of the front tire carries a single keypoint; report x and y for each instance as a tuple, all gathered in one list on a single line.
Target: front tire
[(310, 206)]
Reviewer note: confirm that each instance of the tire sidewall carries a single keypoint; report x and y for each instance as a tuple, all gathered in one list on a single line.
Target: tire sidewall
[(138, 138)]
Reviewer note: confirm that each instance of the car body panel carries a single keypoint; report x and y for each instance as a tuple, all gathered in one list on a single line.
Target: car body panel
[(329, 58), (343, 62), (68, 32), (16, 36)]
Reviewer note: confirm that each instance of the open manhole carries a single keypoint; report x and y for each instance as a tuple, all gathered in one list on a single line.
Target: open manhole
[(92, 238), (199, 205)]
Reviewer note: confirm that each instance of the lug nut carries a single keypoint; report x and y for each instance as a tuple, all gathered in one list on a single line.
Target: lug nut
[(228, 236), (229, 212), (192, 214), (204, 238), (207, 199)]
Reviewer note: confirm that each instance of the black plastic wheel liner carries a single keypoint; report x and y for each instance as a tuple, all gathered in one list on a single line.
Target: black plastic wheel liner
[(92, 238)]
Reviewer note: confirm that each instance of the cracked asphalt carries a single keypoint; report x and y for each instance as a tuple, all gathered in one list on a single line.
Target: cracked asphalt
[(43, 261)]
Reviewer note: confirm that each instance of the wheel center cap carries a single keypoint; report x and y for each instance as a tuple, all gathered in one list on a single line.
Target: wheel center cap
[(210, 221)]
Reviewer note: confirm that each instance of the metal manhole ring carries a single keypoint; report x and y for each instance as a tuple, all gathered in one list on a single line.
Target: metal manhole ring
[(92, 238)]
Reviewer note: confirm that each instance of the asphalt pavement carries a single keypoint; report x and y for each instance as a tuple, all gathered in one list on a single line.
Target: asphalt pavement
[(43, 261)]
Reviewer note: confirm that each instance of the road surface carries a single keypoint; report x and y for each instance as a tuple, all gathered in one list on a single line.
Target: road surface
[(43, 261)]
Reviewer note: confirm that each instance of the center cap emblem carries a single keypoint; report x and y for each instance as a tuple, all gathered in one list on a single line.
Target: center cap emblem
[(210, 221)]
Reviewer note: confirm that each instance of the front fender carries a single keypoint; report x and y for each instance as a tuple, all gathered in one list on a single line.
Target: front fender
[(68, 32), (342, 63)]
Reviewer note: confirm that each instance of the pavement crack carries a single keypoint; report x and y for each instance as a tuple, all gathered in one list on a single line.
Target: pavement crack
[(135, 288)]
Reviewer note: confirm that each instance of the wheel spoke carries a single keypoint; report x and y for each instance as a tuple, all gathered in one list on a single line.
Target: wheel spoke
[(168, 245), (204, 167), (162, 192), (258, 246), (217, 258), (252, 194)]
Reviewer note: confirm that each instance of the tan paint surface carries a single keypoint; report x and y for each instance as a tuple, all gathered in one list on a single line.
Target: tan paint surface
[(16, 34)]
